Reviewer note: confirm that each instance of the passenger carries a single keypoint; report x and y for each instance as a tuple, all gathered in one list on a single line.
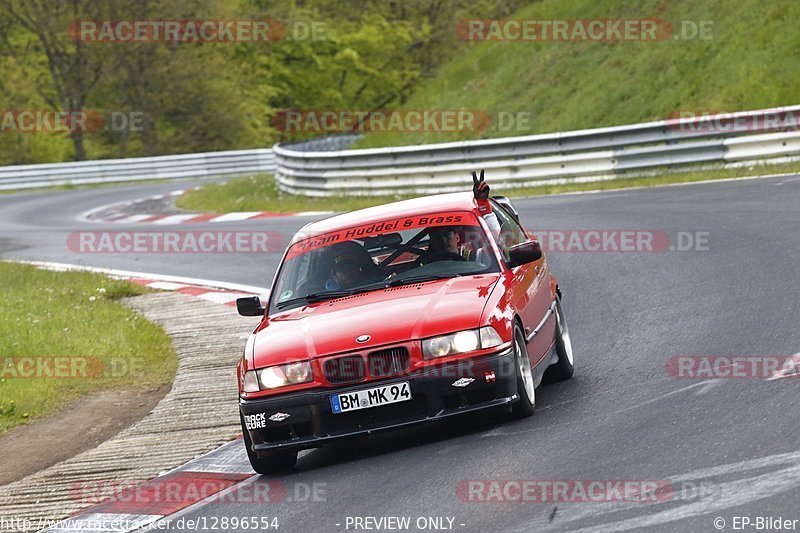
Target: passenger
[(445, 240), (443, 245), (480, 190)]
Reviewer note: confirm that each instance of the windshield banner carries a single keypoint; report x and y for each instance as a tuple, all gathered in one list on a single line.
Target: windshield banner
[(452, 218)]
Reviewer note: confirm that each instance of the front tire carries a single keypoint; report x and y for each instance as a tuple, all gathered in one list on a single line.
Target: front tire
[(565, 367), (273, 463), (525, 406)]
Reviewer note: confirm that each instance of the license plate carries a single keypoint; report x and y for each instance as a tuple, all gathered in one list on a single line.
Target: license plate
[(374, 397)]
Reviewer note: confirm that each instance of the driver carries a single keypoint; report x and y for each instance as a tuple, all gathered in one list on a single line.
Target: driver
[(345, 273), (351, 266)]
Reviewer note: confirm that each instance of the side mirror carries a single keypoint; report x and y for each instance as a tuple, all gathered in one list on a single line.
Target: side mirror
[(523, 253), (250, 306)]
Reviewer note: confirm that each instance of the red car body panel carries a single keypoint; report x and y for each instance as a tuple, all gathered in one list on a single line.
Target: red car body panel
[(416, 311)]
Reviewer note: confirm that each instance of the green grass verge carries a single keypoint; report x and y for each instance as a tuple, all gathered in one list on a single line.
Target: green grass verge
[(73, 316), (562, 86), (260, 193)]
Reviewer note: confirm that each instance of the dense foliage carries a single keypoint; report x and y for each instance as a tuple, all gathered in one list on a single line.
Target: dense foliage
[(189, 97)]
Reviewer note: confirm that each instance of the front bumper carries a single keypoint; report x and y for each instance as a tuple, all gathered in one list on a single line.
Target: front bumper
[(311, 423)]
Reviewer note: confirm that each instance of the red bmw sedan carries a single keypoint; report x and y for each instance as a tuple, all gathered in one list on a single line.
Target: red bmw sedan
[(395, 315)]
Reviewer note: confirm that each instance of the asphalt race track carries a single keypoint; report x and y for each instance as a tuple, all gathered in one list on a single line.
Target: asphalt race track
[(728, 447)]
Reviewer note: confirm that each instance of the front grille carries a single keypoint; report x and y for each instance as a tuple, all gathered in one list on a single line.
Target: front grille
[(347, 369), (414, 409), (388, 362)]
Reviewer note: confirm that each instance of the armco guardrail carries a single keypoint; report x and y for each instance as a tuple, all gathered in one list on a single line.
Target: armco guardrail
[(575, 156), (321, 168), (206, 165)]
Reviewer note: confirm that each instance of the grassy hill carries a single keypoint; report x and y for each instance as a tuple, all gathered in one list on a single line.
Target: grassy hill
[(749, 62)]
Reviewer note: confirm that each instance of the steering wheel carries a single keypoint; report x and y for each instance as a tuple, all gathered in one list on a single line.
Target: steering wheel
[(444, 256)]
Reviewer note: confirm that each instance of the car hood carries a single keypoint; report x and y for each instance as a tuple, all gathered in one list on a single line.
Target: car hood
[(392, 315)]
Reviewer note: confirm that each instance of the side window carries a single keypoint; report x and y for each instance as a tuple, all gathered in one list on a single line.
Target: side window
[(511, 233)]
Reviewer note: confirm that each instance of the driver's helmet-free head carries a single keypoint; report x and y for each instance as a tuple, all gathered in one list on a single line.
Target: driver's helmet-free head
[(443, 239)]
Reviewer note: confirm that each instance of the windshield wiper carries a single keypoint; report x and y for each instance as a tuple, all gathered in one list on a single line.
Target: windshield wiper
[(418, 279), (331, 295), (317, 297)]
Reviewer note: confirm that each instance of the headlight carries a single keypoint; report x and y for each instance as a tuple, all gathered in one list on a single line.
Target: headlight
[(466, 341), (461, 342), (437, 346), (298, 372), (274, 377)]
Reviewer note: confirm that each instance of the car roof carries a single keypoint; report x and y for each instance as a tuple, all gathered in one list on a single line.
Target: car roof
[(437, 203)]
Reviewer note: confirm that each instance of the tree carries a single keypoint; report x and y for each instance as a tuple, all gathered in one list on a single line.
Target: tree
[(74, 68)]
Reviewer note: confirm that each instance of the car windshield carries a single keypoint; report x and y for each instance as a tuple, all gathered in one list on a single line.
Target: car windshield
[(387, 253)]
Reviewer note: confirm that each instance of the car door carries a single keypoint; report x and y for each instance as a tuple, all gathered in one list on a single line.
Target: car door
[(528, 287)]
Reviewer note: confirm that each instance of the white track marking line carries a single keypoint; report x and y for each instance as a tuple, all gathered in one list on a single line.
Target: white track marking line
[(501, 432), (238, 287), (731, 494), (313, 213), (86, 216), (710, 384), (220, 297), (133, 218), (786, 372), (167, 285), (175, 219), (229, 217), (724, 495)]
